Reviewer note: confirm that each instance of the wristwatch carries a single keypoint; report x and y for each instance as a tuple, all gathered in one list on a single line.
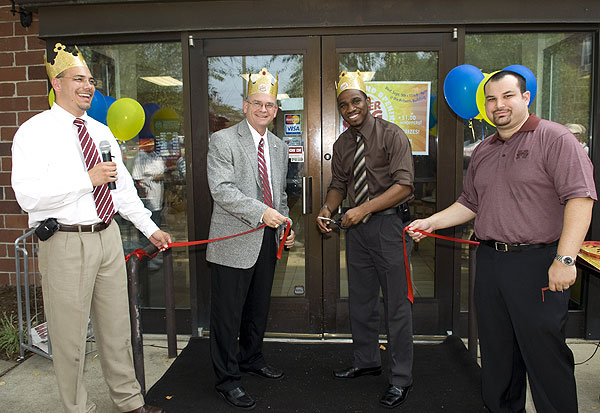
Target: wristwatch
[(565, 259)]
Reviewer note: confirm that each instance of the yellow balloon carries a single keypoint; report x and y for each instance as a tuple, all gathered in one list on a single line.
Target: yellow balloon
[(51, 97), (125, 118), (164, 120), (480, 97)]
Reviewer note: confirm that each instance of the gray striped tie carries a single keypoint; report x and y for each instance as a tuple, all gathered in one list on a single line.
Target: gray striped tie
[(361, 188)]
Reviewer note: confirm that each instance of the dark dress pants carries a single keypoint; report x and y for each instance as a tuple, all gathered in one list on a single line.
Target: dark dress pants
[(240, 301), (375, 259), (522, 331)]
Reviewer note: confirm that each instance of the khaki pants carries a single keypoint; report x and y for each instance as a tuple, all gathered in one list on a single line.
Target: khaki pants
[(83, 273)]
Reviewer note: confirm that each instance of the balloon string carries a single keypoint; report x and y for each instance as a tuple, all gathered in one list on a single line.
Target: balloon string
[(472, 129)]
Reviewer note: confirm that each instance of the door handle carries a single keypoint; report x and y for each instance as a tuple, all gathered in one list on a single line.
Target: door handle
[(307, 195)]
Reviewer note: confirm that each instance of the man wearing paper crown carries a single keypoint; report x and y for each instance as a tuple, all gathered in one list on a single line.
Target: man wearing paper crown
[(372, 165), (60, 181), (247, 168)]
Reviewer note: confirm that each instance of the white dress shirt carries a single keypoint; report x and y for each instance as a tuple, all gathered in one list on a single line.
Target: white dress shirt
[(50, 178)]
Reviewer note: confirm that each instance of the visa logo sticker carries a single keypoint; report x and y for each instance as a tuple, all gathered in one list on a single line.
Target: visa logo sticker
[(293, 125)]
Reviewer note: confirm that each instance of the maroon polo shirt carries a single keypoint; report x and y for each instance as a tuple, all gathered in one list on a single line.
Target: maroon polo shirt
[(518, 188), (388, 159)]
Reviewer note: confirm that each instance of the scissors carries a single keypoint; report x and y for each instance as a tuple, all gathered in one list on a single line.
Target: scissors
[(337, 222)]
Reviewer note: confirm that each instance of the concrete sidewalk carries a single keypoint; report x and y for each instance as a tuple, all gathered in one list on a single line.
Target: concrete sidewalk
[(30, 386)]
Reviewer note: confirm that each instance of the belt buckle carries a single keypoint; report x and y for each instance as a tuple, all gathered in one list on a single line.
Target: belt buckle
[(93, 227), (501, 246)]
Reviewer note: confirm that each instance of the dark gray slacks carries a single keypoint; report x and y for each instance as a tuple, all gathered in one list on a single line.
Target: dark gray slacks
[(519, 333), (375, 259), (240, 300)]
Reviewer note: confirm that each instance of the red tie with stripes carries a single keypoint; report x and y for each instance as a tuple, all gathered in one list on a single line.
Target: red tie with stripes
[(102, 196), (264, 175)]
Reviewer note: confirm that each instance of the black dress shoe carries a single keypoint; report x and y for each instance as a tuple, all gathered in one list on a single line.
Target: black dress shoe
[(238, 398), (354, 372), (394, 396), (268, 372)]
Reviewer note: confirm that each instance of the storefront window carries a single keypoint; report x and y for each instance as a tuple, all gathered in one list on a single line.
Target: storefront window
[(151, 74), (562, 65)]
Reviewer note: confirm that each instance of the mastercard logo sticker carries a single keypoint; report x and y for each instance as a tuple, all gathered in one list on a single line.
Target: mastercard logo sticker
[(292, 119)]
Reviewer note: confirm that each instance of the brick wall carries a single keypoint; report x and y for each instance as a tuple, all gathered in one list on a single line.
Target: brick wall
[(23, 93)]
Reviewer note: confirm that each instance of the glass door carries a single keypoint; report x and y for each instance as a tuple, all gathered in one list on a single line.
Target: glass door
[(403, 81), (309, 295), (296, 306)]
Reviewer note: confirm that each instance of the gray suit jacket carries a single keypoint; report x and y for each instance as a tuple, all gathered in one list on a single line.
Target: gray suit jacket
[(232, 167)]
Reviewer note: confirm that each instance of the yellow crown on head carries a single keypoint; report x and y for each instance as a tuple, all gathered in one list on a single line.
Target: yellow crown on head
[(63, 61), (350, 80), (262, 82)]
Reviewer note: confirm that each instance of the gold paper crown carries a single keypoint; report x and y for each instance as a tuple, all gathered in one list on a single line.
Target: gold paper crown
[(351, 80), (262, 82), (63, 61)]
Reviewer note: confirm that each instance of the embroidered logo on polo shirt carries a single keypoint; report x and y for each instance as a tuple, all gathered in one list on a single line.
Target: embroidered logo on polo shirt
[(522, 154)]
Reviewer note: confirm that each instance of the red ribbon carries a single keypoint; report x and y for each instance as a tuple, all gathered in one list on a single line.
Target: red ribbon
[(407, 265), (141, 253)]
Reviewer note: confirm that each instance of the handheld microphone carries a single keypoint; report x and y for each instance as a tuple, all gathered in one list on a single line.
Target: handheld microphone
[(106, 157)]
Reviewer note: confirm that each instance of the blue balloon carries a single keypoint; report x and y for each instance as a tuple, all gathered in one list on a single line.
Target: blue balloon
[(530, 80), (149, 109), (109, 101), (98, 108), (460, 88)]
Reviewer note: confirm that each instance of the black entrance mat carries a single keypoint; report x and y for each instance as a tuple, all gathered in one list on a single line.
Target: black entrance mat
[(445, 379)]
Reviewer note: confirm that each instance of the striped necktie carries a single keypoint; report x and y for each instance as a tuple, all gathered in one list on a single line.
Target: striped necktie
[(102, 196), (264, 175), (361, 188)]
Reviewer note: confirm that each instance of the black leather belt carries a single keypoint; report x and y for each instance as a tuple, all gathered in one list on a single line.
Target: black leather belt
[(389, 211), (504, 247), (100, 226), (392, 211)]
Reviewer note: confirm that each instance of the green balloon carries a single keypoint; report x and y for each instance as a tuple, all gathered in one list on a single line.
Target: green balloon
[(125, 118)]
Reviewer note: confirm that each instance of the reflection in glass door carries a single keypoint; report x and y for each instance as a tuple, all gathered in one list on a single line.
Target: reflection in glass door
[(226, 95)]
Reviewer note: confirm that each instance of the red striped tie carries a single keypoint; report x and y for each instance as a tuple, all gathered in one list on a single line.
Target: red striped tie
[(264, 175), (102, 196)]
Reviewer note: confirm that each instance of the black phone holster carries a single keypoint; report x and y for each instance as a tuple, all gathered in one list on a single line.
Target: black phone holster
[(47, 228)]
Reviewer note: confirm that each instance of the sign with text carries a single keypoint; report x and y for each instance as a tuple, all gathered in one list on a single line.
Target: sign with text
[(407, 105), (296, 153)]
